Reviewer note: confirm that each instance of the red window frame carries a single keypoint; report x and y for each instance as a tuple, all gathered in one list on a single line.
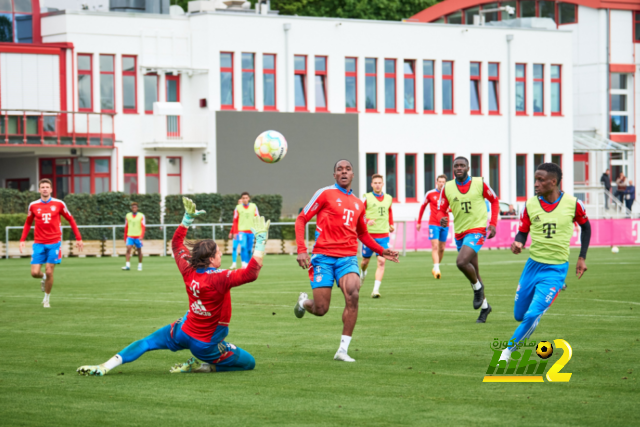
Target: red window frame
[(88, 72), (131, 175), (113, 73), (353, 74), (559, 81), (71, 175), (375, 76), (413, 63), (233, 94), (134, 74), (471, 161), (324, 73), (522, 79), (499, 172), (497, 80), (17, 180), (95, 175), (413, 199), (449, 77), (395, 88), (526, 178), (386, 173), (305, 108), (157, 90), (169, 78), (636, 20), (453, 157), (179, 174), (478, 81), (153, 174), (432, 78), (275, 82), (252, 71), (540, 113)]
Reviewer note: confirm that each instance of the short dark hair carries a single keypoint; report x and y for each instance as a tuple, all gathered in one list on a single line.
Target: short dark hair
[(552, 168), (342, 160), (443, 176), (463, 158), (45, 181), (245, 194)]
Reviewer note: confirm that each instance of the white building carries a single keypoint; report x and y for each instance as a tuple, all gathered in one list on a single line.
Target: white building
[(171, 103)]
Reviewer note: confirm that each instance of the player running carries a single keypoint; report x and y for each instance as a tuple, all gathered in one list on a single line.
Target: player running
[(551, 227), (437, 233), (242, 223), (377, 207), (341, 222), (47, 246), (205, 326), (236, 242), (134, 226), (465, 197)]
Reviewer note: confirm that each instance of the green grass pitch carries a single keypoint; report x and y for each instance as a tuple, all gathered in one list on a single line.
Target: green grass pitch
[(420, 355)]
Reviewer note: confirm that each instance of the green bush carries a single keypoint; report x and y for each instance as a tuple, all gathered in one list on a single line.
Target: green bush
[(289, 231), (18, 219), (174, 211), (14, 201)]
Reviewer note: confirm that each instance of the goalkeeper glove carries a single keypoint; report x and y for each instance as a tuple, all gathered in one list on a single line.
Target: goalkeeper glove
[(190, 212), (261, 230)]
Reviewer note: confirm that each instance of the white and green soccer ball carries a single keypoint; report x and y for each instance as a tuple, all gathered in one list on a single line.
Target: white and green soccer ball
[(270, 146), (614, 250)]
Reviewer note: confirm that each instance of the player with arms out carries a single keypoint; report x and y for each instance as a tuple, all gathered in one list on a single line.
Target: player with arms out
[(47, 246), (550, 225), (134, 226), (236, 242), (465, 197), (205, 326), (437, 233), (242, 222), (341, 222), (377, 207)]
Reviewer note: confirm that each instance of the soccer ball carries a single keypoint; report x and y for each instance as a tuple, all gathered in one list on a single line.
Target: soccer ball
[(614, 250), (544, 349), (270, 146)]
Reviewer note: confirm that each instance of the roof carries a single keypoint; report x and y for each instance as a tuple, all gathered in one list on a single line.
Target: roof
[(591, 141)]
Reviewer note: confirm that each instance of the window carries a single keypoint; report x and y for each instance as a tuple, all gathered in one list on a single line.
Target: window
[(174, 175), (469, 14), (226, 81), (447, 165), (538, 90), (173, 95), (474, 85), (351, 85), (20, 184), (300, 82), (77, 175), (636, 27), (130, 175), (321, 84), (390, 85), (151, 83), (491, 16), (409, 86), (447, 87), (557, 159), (129, 85), (269, 76), (248, 82), (85, 75), (429, 172), (521, 177), (521, 94), (371, 84), (107, 96), (476, 165), (410, 192), (547, 9), (567, 13), (428, 95), (16, 12), (621, 100), (391, 162), (152, 174), (372, 168), (455, 18), (504, 15), (494, 88), (494, 173), (556, 90), (538, 159), (528, 9)]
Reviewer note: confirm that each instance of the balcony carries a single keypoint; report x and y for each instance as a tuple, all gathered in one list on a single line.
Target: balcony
[(169, 128)]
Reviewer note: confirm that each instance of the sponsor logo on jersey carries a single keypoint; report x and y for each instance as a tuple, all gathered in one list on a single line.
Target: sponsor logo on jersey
[(455, 199), (537, 218), (339, 201)]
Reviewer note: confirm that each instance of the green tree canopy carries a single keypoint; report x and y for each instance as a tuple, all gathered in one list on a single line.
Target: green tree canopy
[(388, 10)]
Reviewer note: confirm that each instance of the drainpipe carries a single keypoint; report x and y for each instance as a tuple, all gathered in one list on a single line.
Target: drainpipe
[(286, 27), (509, 114)]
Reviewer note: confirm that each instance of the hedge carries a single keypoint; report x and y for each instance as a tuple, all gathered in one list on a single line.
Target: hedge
[(18, 219), (14, 201)]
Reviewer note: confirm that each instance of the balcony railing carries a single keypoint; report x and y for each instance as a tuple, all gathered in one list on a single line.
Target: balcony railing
[(173, 131), (56, 128)]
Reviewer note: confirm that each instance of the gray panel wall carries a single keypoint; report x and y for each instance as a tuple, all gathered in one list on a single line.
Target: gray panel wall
[(316, 142)]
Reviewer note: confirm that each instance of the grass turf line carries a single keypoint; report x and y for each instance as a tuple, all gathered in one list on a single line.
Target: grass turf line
[(420, 355)]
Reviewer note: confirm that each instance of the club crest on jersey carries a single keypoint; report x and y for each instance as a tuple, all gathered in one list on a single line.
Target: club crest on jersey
[(53, 208)]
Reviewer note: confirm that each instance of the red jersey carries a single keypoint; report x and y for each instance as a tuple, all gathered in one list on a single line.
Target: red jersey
[(431, 200), (487, 193), (380, 199), (47, 217), (208, 291), (341, 222), (580, 216)]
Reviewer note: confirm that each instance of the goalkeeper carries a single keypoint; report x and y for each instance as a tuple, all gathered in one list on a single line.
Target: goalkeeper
[(206, 325)]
